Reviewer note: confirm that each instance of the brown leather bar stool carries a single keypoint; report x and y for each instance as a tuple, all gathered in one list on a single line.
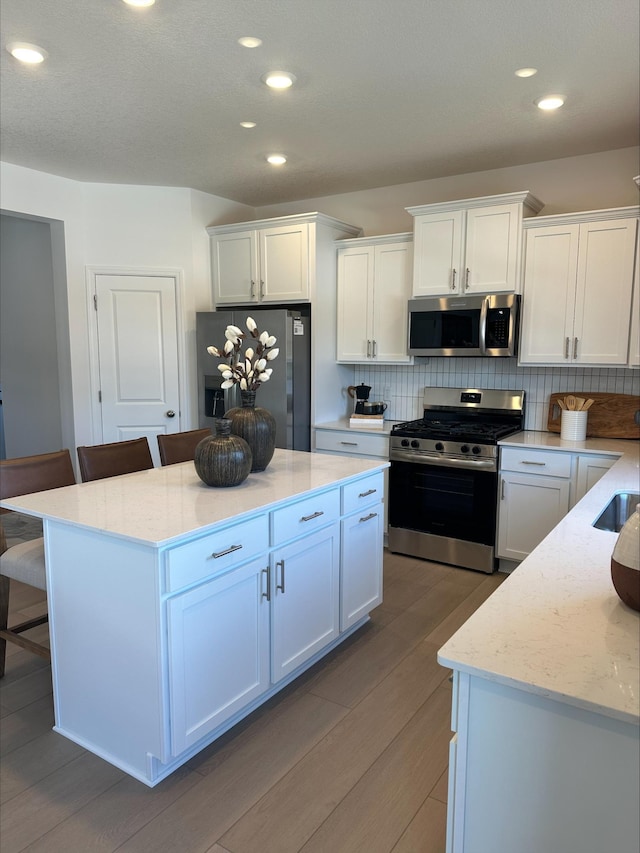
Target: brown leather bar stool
[(180, 446), (24, 561), (99, 461)]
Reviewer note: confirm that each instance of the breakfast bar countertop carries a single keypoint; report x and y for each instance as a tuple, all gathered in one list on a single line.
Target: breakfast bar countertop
[(160, 506), (556, 627)]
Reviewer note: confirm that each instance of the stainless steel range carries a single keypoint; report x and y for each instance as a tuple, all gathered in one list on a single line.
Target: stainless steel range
[(443, 479)]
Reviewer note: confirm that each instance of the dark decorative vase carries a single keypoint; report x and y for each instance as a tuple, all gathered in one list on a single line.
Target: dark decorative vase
[(258, 428), (223, 459)]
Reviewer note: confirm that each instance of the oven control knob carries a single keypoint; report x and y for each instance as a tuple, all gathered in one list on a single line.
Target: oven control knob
[(464, 448), (415, 443), (405, 442), (475, 449), (439, 445)]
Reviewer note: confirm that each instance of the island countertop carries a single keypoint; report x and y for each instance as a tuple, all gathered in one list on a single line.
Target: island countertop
[(159, 506), (556, 626)]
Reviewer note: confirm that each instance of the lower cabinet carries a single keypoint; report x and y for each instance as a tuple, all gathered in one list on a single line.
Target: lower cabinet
[(305, 599), (362, 535), (218, 651), (537, 489), (529, 773)]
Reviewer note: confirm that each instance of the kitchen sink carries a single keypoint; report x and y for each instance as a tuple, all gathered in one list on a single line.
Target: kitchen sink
[(621, 506)]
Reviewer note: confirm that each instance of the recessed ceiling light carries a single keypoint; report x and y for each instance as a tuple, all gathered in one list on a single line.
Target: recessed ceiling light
[(276, 159), (29, 53), (249, 41), (279, 79), (139, 2), (549, 102), (247, 124), (526, 72)]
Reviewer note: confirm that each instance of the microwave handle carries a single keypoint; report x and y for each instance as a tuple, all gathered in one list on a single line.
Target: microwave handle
[(483, 326)]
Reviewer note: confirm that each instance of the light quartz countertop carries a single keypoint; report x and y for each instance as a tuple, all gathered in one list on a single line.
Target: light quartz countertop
[(556, 626), (162, 505), (343, 423)]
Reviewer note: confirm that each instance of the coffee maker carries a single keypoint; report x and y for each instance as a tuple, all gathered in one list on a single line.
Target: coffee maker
[(360, 395)]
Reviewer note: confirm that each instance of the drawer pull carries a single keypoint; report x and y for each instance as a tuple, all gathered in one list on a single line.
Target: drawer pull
[(267, 594), (368, 517), (350, 443), (228, 551), (528, 462), (366, 494), (309, 517)]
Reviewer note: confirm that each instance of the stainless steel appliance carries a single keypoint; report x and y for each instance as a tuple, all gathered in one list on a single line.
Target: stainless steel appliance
[(443, 477), (287, 395), (465, 325)]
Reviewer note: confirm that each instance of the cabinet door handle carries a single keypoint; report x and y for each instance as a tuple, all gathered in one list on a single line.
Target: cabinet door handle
[(252, 292), (267, 594), (575, 348), (368, 349), (368, 517), (529, 462), (280, 586), (466, 279), (228, 551), (350, 443), (566, 347), (261, 289), (453, 279), (309, 517), (375, 349), (501, 490), (366, 494)]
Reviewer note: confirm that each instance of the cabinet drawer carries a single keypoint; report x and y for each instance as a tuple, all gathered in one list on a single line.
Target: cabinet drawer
[(364, 492), (221, 550), (304, 516), (541, 462), (353, 442)]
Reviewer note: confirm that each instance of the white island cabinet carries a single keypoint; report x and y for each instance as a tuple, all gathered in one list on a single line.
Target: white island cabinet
[(545, 710), (176, 609)]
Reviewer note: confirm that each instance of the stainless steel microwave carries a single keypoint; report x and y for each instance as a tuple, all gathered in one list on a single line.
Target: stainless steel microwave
[(465, 325)]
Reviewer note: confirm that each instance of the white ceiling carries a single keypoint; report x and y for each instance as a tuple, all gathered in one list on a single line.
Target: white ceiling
[(388, 91)]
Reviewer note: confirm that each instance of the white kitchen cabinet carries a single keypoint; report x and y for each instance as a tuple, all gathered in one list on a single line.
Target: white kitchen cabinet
[(530, 773), (227, 620), (269, 260), (305, 599), (589, 469), (374, 286), (535, 490), (578, 280), (470, 246), (361, 551), (634, 336), (356, 442)]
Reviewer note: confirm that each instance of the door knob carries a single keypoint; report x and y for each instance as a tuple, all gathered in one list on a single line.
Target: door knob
[(171, 413)]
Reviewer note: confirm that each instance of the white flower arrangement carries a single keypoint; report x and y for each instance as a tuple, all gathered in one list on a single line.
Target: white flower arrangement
[(249, 370)]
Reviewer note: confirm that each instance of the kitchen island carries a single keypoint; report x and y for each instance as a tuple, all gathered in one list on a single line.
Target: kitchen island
[(176, 609), (545, 755)]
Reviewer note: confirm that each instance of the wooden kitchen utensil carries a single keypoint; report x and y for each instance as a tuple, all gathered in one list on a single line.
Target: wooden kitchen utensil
[(610, 415), (570, 402)]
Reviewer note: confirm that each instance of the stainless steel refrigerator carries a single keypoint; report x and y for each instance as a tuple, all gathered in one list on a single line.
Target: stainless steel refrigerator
[(287, 395)]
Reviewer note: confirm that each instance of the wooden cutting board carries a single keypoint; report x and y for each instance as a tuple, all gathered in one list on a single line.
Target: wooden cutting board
[(610, 416)]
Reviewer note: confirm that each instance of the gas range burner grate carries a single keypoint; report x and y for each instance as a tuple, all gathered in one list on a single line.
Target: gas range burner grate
[(462, 430)]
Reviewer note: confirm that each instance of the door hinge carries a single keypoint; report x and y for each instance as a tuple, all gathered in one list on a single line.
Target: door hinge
[(95, 302)]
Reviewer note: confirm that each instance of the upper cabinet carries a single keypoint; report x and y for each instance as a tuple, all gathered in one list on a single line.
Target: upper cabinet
[(634, 339), (267, 261), (374, 286), (470, 246), (578, 282)]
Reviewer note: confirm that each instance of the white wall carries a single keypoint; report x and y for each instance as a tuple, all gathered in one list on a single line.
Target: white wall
[(588, 182)]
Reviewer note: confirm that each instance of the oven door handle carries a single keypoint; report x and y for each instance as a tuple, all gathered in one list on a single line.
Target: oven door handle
[(443, 461)]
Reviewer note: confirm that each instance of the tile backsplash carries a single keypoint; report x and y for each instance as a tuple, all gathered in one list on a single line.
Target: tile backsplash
[(402, 386)]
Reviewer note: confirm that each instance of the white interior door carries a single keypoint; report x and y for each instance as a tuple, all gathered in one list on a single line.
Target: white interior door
[(138, 356)]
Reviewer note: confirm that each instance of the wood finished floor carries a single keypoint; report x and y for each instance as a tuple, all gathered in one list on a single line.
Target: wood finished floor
[(350, 757)]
